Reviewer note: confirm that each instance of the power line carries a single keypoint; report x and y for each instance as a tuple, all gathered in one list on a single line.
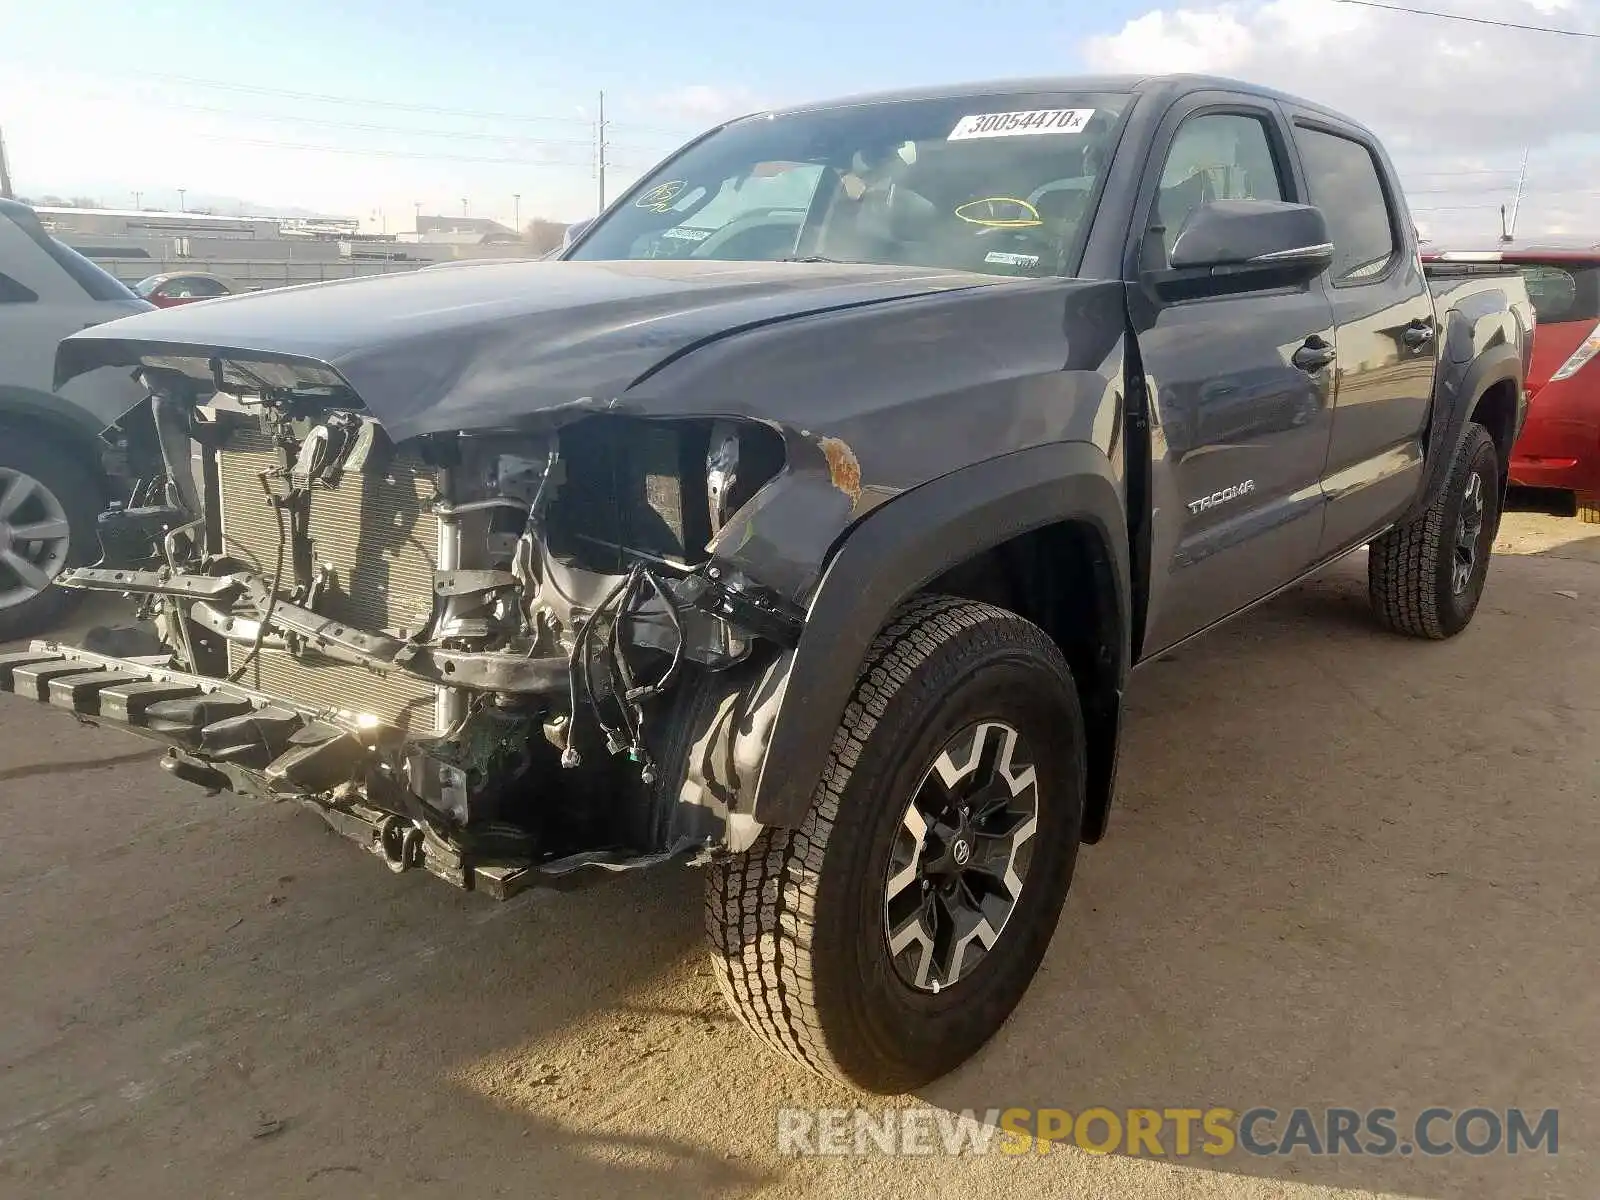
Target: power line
[(1428, 12), (324, 98), (1502, 187), (360, 125), (359, 153), (356, 101)]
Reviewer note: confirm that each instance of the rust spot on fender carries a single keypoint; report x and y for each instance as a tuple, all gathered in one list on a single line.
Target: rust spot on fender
[(844, 469)]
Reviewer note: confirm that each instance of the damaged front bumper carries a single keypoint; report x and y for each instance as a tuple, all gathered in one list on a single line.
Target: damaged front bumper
[(225, 737), (501, 656)]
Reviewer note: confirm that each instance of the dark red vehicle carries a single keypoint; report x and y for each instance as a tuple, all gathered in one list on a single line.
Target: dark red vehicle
[(182, 287), (1560, 444)]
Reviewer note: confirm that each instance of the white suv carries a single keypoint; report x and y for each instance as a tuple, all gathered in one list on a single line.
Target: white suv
[(52, 482)]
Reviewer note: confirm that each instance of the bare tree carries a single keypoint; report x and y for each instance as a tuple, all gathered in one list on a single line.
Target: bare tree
[(85, 202), (544, 235)]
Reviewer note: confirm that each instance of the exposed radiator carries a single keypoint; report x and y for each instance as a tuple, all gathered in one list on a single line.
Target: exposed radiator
[(379, 539)]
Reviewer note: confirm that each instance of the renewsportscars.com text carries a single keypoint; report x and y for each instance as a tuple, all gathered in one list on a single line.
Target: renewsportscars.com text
[(1170, 1132)]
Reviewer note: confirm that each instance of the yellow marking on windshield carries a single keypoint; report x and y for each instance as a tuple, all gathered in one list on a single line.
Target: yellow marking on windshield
[(1023, 215)]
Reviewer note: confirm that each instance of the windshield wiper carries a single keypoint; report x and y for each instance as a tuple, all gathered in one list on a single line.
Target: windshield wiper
[(820, 258)]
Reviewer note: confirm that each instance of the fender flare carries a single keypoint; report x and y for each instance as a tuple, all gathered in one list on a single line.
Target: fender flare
[(1460, 388), (68, 427), (44, 410), (895, 550)]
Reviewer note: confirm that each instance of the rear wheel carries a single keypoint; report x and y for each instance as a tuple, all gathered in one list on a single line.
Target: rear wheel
[(48, 506), (1425, 577), (887, 938)]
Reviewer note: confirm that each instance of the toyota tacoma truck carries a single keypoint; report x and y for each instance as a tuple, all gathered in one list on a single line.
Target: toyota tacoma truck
[(803, 519)]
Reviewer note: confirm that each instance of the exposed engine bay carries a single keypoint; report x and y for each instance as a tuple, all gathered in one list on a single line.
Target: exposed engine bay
[(489, 655)]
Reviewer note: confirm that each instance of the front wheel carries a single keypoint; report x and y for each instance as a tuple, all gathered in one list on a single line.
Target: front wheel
[(1425, 577), (887, 938), (48, 505)]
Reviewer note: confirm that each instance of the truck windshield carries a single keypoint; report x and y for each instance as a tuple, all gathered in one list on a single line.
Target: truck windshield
[(1000, 184)]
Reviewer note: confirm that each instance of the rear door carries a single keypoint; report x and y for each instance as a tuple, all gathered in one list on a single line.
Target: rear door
[(1386, 335), (1239, 430)]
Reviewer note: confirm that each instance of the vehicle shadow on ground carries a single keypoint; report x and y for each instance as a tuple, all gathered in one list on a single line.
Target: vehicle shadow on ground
[(1341, 873), (232, 999)]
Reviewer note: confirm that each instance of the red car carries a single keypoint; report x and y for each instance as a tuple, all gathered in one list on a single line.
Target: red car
[(182, 287), (1560, 443)]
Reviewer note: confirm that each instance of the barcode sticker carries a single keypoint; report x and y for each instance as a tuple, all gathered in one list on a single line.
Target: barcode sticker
[(1021, 124)]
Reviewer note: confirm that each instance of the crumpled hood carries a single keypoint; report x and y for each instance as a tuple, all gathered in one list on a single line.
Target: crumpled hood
[(485, 345)]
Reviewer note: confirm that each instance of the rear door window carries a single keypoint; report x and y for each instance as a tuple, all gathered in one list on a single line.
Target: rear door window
[(1342, 177), (1563, 291)]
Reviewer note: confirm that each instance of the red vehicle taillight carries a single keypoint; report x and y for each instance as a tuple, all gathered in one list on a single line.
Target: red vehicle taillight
[(1587, 349)]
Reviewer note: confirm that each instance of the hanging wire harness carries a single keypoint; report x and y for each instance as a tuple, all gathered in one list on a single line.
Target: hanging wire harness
[(621, 686)]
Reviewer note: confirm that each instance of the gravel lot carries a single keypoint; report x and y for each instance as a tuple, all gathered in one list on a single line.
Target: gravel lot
[(1345, 869)]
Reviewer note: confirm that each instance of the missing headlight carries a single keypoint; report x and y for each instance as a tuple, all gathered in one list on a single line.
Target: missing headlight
[(660, 490)]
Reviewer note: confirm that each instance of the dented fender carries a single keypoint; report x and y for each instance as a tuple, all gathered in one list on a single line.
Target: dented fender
[(760, 752)]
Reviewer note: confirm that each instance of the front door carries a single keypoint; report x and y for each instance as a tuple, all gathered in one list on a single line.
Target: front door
[(1238, 386)]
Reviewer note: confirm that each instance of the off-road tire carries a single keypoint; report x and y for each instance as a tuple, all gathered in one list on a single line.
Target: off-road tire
[(1589, 510), (1409, 568), (76, 487), (796, 923)]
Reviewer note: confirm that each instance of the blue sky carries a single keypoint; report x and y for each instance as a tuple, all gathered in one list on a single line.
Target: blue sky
[(101, 98), (667, 71)]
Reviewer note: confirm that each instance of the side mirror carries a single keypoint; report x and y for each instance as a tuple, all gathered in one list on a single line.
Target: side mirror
[(1239, 245), (575, 231)]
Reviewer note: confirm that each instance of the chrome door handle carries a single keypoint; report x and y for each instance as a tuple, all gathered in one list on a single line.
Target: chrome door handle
[(1417, 335), (1314, 355)]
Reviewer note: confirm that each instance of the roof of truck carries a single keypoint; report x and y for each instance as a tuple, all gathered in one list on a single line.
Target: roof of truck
[(1171, 86)]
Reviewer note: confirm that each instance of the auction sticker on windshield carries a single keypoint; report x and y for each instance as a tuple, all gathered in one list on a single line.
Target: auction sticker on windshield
[(1021, 124)]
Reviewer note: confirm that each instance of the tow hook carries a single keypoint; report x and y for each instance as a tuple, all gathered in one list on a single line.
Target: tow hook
[(401, 842)]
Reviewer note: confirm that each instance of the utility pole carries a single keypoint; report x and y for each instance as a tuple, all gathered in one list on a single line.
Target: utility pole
[(416, 224), (600, 152), (5, 171), (1508, 229), (516, 211), (463, 206), (182, 192), (136, 198)]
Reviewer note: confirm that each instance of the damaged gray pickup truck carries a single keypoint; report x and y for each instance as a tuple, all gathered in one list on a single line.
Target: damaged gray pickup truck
[(803, 520)]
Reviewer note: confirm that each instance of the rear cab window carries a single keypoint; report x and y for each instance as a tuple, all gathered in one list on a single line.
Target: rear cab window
[(1563, 291), (1343, 181)]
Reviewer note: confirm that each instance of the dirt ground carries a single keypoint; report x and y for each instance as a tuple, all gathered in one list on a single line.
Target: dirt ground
[(1345, 869)]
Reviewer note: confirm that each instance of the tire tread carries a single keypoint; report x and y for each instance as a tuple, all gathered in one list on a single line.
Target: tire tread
[(1403, 564), (760, 905)]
